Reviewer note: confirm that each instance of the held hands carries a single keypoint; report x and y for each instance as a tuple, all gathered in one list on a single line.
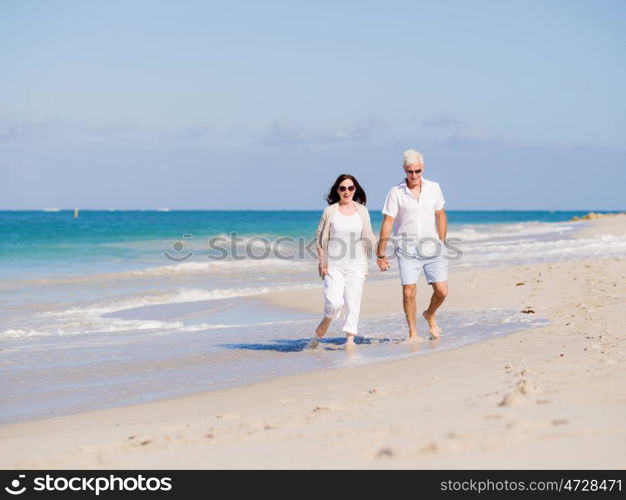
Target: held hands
[(383, 263)]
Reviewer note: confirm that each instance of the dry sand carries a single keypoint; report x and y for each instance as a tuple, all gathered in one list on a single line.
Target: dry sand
[(551, 397)]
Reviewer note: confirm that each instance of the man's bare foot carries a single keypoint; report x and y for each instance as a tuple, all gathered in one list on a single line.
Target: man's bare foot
[(349, 344), (433, 328), (413, 339)]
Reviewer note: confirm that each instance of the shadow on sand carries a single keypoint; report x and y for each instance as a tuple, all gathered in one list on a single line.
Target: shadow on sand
[(296, 345)]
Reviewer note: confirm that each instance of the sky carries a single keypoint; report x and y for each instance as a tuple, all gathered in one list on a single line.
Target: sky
[(199, 104)]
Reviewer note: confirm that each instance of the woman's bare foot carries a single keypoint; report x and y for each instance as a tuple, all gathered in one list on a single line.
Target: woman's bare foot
[(322, 328), (433, 328), (313, 343)]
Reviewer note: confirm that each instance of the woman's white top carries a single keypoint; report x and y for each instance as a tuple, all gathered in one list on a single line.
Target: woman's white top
[(344, 246)]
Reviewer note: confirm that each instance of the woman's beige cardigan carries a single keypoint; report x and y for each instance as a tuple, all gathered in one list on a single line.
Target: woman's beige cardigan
[(322, 234)]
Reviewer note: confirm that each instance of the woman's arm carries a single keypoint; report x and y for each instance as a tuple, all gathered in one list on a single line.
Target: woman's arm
[(321, 266), (369, 232)]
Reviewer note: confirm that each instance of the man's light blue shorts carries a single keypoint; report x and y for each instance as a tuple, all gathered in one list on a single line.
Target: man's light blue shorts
[(410, 263)]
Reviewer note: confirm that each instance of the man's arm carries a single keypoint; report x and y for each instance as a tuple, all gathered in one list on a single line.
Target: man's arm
[(385, 232), (442, 224)]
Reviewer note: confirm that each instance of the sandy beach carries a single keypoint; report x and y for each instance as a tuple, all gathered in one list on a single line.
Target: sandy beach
[(549, 397)]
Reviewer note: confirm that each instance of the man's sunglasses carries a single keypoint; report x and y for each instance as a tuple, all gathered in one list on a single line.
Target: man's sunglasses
[(418, 171), (343, 188)]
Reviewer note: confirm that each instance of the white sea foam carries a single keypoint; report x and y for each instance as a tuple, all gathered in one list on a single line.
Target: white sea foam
[(90, 318), (189, 269), (87, 323), (478, 232), (208, 326), (220, 265), (529, 250), (182, 295)]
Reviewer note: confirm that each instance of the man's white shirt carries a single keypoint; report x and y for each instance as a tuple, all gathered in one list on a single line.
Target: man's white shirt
[(414, 220)]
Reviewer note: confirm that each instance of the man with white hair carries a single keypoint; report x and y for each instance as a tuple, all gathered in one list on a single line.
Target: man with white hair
[(414, 209)]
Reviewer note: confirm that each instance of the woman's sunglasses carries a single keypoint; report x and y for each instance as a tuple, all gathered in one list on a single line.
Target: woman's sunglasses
[(343, 188), (418, 171)]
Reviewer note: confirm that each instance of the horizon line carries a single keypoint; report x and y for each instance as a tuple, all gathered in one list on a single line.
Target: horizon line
[(165, 210)]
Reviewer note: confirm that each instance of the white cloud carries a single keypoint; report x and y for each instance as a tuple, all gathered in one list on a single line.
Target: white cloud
[(444, 120), (292, 132)]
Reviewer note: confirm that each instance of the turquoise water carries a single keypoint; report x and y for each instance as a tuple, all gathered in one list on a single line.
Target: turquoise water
[(94, 312), (26, 232), (50, 242)]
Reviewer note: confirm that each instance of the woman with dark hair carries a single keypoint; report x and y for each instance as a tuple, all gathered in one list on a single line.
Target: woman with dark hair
[(344, 242)]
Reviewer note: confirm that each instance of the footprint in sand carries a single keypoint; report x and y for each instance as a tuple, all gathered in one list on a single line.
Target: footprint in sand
[(520, 425), (451, 445), (525, 425), (320, 408), (492, 416), (374, 391), (519, 394), (384, 453), (139, 441), (594, 347), (560, 421), (228, 416)]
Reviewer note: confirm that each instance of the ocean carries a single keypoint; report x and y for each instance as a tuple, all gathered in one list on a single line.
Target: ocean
[(118, 307)]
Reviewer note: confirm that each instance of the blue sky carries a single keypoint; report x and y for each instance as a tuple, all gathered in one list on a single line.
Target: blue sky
[(260, 105)]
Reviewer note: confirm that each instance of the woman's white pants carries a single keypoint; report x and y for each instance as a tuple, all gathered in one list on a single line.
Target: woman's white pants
[(343, 287)]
